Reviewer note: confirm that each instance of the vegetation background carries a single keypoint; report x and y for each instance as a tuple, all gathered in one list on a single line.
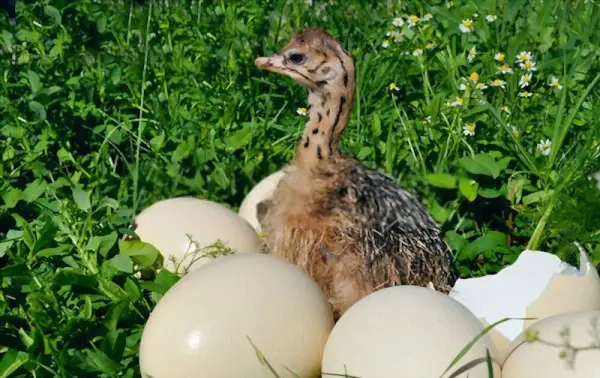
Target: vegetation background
[(109, 106)]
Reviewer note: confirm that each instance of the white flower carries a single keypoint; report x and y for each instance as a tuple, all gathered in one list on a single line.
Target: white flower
[(499, 57), (554, 83), (427, 17), (472, 54), (506, 109), (525, 94), (469, 129), (504, 69), (544, 146), (398, 22), (491, 17), (462, 87), (515, 131), (428, 119), (523, 56), (475, 15), (393, 87), (498, 83), (412, 20), (528, 65), (302, 111), (398, 36), (525, 80), (466, 26), (597, 177), (418, 52), (458, 102), (308, 2), (429, 46), (481, 86), (385, 44), (450, 4), (481, 102)]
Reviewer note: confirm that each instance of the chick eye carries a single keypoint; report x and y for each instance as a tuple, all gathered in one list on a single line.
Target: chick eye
[(296, 58)]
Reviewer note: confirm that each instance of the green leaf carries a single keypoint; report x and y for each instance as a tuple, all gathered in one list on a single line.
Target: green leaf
[(481, 164), (34, 190), (441, 180), (11, 362), (122, 263), (536, 197), (101, 362), (12, 197), (82, 199), (38, 109), (489, 193), (468, 188), (34, 81), (16, 270), (239, 139), (53, 14), (492, 241), (375, 124), (69, 277), (115, 312), (143, 254)]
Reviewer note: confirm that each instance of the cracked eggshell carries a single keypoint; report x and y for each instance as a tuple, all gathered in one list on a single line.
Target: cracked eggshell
[(263, 190), (407, 331), (539, 359), (537, 285), (166, 224), (200, 328)]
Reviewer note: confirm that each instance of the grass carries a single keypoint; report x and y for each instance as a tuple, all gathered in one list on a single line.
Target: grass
[(109, 106)]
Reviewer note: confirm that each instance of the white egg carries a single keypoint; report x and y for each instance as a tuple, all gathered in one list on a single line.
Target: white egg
[(263, 190), (542, 358), (206, 323), (184, 229), (407, 331)]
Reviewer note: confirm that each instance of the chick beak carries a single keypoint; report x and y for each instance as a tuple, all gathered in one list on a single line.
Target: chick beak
[(272, 63)]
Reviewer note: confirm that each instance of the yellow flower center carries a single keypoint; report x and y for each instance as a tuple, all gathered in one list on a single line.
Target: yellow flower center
[(480, 86), (414, 19), (474, 76), (555, 83), (470, 127), (467, 23), (459, 100), (528, 64), (497, 82), (504, 68)]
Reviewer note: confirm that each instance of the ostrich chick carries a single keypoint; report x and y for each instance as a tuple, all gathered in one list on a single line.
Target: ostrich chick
[(350, 228)]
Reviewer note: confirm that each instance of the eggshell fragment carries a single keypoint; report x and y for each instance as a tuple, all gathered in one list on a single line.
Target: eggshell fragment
[(263, 190), (166, 225), (200, 328), (536, 285), (542, 358), (407, 331)]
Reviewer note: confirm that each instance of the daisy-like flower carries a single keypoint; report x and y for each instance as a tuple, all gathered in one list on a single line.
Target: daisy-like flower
[(554, 83), (427, 17), (523, 57), (429, 46), (491, 17), (462, 87), (515, 131), (398, 36), (481, 86), (412, 20), (475, 15), (302, 111), (506, 109), (385, 44), (505, 69), (499, 57), (525, 80), (466, 26), (393, 87), (498, 83), (418, 52), (474, 76), (398, 22), (450, 4), (472, 54), (469, 129), (525, 94), (544, 146), (528, 65), (458, 102)]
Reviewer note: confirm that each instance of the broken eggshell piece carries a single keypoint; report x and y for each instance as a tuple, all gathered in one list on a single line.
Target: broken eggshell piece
[(537, 285)]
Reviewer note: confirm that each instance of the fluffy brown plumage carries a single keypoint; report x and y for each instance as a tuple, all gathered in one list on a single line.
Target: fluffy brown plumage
[(354, 230)]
